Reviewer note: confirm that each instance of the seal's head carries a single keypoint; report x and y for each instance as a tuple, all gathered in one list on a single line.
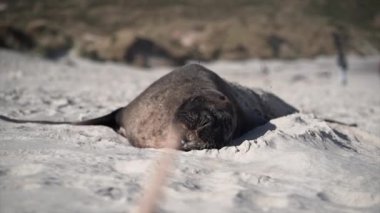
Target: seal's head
[(206, 121)]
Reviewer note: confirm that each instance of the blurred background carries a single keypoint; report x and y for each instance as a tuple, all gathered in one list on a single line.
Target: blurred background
[(152, 33)]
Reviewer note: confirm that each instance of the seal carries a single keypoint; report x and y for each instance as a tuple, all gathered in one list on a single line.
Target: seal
[(203, 110)]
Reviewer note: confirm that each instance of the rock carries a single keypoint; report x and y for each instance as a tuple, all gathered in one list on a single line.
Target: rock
[(50, 41), (15, 38), (140, 50), (238, 52), (275, 43), (95, 47), (130, 47), (199, 42), (376, 21), (146, 53)]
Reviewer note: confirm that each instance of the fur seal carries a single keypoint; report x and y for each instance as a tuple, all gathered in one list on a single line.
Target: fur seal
[(204, 110)]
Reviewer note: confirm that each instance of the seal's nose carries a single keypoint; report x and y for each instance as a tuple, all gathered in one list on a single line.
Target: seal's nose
[(223, 98)]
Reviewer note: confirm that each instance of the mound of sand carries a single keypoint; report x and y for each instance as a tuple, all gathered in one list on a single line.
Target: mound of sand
[(295, 163)]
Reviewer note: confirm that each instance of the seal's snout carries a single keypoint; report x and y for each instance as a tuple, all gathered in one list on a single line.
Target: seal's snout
[(222, 98), (207, 121)]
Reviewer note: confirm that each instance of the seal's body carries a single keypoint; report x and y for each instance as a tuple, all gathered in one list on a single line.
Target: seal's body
[(202, 109)]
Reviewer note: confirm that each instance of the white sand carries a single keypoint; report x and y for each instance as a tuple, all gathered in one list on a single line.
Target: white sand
[(297, 163)]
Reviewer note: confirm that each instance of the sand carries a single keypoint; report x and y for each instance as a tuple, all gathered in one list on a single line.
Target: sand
[(297, 163)]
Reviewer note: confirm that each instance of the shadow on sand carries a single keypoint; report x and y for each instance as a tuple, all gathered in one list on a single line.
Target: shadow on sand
[(253, 134)]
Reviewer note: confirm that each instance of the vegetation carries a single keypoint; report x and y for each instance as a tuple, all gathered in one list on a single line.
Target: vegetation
[(242, 26)]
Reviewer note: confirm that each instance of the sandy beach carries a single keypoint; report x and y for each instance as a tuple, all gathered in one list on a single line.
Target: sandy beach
[(297, 163)]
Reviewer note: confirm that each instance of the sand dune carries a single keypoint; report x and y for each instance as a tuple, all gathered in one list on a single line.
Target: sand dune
[(297, 163)]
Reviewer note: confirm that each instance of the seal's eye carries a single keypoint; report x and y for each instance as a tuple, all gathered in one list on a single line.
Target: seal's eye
[(204, 119), (188, 118)]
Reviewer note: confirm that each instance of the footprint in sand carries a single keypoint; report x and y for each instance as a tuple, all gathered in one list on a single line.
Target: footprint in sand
[(266, 202), (132, 167), (350, 198), (26, 169)]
